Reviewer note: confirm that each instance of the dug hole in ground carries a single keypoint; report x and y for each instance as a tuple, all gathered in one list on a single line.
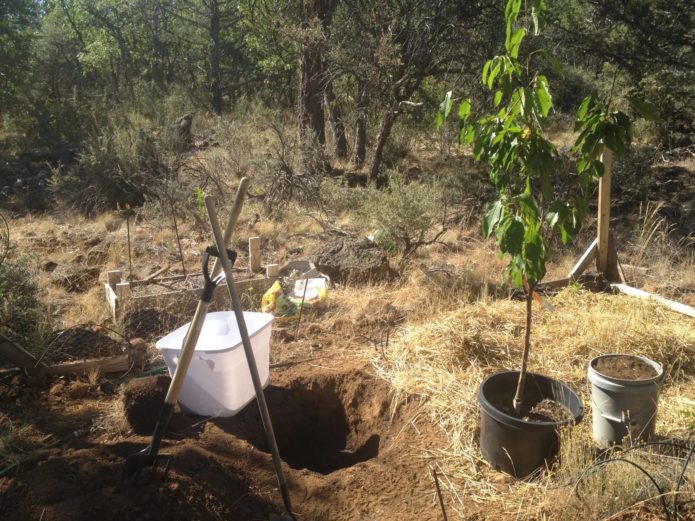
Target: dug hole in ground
[(417, 348)]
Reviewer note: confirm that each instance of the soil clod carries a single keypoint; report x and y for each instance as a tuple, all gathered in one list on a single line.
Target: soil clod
[(142, 400)]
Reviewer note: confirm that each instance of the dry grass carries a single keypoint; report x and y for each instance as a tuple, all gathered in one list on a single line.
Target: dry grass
[(445, 360)]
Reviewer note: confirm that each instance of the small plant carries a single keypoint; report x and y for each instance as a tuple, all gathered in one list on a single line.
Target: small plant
[(408, 216), (199, 195), (522, 161), (21, 309)]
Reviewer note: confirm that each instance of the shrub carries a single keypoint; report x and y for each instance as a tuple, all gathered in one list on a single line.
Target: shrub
[(407, 216), (21, 308)]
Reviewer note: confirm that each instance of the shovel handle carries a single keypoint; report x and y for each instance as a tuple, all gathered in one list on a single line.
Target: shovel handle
[(233, 218), (250, 358), (191, 339)]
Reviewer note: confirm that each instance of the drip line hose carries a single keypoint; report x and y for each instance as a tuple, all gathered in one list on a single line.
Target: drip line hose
[(669, 514)]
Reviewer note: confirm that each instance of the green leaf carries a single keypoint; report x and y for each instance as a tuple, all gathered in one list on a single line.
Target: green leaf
[(467, 134), (446, 105), (486, 71), (512, 10), (528, 206), (545, 100), (647, 109), (557, 214), (536, 25), (515, 271), (584, 107), (498, 97), (465, 109), (440, 120), (492, 218), (515, 42), (513, 237), (612, 140), (493, 74)]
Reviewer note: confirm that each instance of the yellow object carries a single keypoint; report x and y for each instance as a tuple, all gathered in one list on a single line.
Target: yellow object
[(270, 297)]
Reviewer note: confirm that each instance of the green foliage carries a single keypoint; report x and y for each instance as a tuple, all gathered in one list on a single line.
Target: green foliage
[(21, 309), (406, 216), (126, 159), (18, 23), (521, 158)]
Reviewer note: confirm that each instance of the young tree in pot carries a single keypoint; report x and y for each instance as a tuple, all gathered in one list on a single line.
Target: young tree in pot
[(522, 160)]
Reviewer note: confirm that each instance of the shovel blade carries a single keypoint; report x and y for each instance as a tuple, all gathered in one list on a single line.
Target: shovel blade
[(145, 467)]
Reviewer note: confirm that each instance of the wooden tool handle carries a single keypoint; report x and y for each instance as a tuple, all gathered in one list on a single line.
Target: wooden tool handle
[(191, 339)]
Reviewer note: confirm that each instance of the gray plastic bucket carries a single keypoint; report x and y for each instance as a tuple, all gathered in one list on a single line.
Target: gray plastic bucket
[(623, 408)]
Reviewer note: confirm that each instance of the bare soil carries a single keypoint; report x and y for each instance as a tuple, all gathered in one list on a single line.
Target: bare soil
[(349, 453), (624, 367), (548, 410)]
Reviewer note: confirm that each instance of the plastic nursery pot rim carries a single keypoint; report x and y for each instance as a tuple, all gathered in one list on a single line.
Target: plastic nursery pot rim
[(605, 381), (532, 425)]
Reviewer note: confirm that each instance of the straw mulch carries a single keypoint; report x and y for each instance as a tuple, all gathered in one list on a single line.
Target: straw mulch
[(445, 359)]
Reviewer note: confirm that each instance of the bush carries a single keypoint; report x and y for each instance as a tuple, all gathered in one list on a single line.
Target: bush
[(407, 216), (21, 308), (122, 163)]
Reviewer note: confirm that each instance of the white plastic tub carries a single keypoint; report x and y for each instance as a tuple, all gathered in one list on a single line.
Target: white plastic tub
[(218, 382)]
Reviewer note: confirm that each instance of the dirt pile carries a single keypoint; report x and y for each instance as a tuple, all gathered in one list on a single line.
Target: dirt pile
[(348, 451), (142, 401), (353, 260)]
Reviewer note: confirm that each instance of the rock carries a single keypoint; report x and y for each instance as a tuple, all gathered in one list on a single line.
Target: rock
[(353, 260), (142, 401), (75, 279)]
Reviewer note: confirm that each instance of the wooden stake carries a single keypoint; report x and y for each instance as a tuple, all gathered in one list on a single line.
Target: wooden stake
[(584, 261), (272, 271), (255, 254), (604, 214), (123, 290), (156, 273), (113, 278)]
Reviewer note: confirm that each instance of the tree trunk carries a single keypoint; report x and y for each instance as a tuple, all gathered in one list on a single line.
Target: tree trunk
[(360, 152), (311, 122), (381, 139), (310, 99), (157, 60), (519, 395), (336, 119), (215, 73)]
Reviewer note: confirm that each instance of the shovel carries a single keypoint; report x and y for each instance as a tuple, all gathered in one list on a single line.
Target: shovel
[(251, 360), (149, 458)]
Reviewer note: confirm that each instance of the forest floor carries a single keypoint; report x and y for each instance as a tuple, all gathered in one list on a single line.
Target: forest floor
[(365, 408)]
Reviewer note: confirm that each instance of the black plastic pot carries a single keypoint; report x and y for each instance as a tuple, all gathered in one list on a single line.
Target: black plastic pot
[(513, 445)]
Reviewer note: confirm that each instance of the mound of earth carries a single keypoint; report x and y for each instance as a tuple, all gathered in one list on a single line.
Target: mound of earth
[(349, 453), (353, 260), (142, 401)]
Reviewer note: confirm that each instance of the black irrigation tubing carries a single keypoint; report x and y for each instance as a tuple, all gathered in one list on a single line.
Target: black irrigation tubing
[(681, 478), (601, 463)]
